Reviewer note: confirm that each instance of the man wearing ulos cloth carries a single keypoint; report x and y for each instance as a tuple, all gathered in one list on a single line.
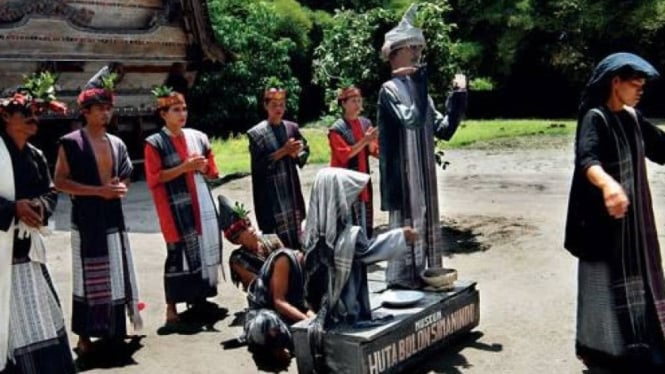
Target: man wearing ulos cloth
[(32, 329), (94, 168)]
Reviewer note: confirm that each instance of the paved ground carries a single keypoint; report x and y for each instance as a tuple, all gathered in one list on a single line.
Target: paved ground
[(503, 211)]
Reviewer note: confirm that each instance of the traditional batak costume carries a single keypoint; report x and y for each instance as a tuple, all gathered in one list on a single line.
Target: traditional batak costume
[(621, 290), (32, 328), (233, 222), (105, 283), (186, 210), (407, 123), (278, 200), (343, 135), (337, 251), (265, 327)]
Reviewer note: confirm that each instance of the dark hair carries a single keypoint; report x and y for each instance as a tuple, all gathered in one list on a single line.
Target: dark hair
[(14, 107), (598, 93), (158, 116)]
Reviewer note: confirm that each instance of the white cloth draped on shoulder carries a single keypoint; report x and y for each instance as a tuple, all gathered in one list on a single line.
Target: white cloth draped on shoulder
[(6, 245), (210, 237)]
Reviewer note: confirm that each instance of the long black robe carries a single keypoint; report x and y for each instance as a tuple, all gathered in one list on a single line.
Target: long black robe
[(621, 299)]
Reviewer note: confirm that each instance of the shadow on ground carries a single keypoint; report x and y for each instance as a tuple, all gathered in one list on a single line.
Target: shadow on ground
[(108, 354), (450, 360), (195, 320), (457, 239), (267, 362)]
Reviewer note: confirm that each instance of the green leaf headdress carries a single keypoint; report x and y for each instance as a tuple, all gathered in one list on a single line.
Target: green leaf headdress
[(37, 94), (166, 97)]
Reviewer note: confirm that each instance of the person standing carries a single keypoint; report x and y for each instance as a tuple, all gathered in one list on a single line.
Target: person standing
[(277, 148), (408, 123), (610, 223), (177, 161), (33, 339), (352, 140), (93, 167)]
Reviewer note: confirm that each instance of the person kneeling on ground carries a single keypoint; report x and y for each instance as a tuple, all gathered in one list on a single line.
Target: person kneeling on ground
[(337, 251), (276, 301), (246, 261)]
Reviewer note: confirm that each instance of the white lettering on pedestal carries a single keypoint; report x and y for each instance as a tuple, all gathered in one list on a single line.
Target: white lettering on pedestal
[(427, 331)]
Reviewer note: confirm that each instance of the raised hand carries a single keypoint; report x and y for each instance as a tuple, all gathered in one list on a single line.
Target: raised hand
[(459, 82), (406, 70)]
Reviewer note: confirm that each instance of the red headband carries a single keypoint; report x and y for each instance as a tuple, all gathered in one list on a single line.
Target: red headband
[(175, 98), (349, 92), (37, 106), (274, 94), (232, 232), (93, 96)]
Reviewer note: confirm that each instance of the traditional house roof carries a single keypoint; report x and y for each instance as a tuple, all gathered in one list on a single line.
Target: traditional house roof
[(197, 20), (122, 30)]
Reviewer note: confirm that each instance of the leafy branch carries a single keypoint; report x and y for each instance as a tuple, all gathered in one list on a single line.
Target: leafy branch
[(41, 86), (162, 91), (108, 81), (240, 211)]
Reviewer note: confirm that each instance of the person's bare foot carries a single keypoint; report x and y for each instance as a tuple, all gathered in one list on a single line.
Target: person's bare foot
[(84, 345), (171, 314)]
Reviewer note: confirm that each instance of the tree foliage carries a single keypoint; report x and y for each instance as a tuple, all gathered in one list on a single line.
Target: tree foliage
[(565, 36), (251, 33), (349, 51), (332, 5), (532, 57)]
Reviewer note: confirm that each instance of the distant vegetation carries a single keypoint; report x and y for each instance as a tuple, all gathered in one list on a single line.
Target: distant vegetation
[(528, 57), (232, 155)]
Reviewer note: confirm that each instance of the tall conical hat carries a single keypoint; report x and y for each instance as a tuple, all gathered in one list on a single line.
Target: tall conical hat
[(403, 34)]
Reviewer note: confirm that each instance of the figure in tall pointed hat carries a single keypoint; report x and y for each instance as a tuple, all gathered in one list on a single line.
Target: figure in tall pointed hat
[(408, 123)]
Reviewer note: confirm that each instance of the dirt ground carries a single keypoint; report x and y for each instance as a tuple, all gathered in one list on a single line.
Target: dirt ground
[(503, 211)]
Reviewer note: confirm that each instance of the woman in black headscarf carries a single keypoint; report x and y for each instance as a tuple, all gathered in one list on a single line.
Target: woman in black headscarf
[(610, 226)]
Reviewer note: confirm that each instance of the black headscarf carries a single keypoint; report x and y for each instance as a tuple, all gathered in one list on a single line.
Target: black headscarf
[(597, 89)]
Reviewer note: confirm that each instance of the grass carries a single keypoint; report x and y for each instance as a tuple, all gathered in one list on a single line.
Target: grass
[(471, 132), (232, 155)]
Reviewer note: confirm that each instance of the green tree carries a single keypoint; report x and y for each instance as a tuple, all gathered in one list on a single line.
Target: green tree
[(228, 98), (349, 51), (331, 5), (565, 36)]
